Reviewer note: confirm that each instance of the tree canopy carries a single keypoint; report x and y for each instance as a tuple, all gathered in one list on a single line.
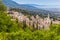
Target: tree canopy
[(14, 30)]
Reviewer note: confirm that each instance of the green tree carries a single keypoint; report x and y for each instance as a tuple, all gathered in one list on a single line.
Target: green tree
[(2, 6)]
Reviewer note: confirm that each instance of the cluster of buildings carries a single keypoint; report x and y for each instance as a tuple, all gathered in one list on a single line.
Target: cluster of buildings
[(34, 21)]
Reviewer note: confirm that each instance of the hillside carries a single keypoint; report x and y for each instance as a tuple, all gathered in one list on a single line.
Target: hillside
[(15, 30), (31, 9)]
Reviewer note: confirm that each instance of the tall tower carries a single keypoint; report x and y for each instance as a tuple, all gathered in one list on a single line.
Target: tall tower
[(47, 22), (48, 16)]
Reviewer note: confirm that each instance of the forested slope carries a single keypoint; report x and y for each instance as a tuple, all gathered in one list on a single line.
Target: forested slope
[(14, 30)]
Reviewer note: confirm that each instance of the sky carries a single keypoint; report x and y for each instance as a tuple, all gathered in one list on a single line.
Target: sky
[(39, 2)]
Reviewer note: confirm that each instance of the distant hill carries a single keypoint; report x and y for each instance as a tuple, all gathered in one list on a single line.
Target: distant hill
[(31, 8), (12, 4)]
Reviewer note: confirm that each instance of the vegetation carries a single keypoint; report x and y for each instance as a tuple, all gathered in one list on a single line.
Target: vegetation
[(14, 30), (2, 7)]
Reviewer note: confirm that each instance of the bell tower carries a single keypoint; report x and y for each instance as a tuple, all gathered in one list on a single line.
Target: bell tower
[(48, 16)]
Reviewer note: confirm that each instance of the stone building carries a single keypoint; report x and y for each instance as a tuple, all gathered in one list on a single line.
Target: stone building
[(21, 18), (36, 22), (56, 22), (39, 22), (47, 22), (13, 14), (27, 21)]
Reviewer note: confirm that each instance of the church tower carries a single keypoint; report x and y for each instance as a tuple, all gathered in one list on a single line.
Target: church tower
[(48, 16), (47, 22)]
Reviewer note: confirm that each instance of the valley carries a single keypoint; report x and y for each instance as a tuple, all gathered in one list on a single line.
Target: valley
[(32, 9)]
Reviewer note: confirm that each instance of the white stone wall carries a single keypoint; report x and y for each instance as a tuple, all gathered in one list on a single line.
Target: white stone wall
[(37, 21)]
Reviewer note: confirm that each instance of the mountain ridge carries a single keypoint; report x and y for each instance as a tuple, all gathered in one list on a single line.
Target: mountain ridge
[(31, 8)]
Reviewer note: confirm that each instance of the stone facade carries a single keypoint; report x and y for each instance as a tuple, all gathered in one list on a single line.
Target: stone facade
[(36, 22)]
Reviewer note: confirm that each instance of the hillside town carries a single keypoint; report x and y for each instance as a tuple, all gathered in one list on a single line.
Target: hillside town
[(33, 21)]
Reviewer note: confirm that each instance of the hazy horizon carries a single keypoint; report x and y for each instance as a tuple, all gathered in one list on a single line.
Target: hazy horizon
[(43, 3), (39, 2)]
